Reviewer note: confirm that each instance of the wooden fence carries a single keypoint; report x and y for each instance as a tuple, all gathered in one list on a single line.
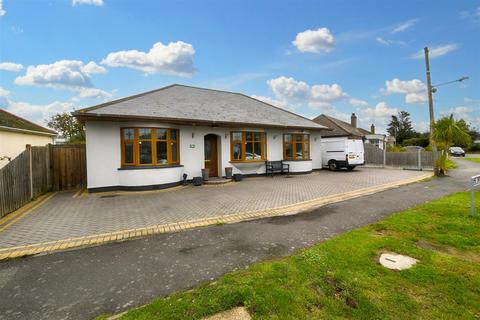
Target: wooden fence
[(414, 159), (38, 170)]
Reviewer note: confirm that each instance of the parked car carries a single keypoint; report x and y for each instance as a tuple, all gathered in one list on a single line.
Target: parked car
[(342, 153), (457, 152)]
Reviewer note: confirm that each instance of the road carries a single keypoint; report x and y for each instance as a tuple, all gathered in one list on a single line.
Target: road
[(82, 284)]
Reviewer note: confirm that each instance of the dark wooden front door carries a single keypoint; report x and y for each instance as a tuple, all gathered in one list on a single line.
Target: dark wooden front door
[(211, 155)]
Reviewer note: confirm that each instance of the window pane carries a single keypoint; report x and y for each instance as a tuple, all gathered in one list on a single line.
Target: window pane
[(249, 151), (237, 151), (307, 156), (144, 133), (208, 149), (306, 137), (128, 134), (161, 152), (257, 136), (237, 136), (298, 137), (288, 150), (249, 136), (298, 153), (145, 152), (173, 134), (162, 134), (174, 152), (128, 152), (258, 151), (287, 138)]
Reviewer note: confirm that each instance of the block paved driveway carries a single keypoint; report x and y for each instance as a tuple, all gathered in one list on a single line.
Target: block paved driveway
[(65, 216)]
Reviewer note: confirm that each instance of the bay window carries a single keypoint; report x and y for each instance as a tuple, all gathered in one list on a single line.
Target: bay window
[(149, 146), (296, 146), (247, 146)]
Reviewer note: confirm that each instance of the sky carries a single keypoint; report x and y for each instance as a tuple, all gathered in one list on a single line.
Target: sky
[(310, 57)]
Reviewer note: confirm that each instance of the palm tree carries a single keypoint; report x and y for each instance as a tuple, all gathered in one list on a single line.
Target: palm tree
[(445, 132)]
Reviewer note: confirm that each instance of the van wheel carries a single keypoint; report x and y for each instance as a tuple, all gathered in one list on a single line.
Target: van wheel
[(350, 168), (332, 165)]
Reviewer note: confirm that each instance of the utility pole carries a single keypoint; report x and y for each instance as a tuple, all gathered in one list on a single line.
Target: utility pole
[(430, 108)]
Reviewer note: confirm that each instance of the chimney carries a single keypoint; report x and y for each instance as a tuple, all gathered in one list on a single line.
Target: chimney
[(353, 120), (372, 128)]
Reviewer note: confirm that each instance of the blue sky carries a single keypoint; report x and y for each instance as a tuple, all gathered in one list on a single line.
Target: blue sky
[(312, 57)]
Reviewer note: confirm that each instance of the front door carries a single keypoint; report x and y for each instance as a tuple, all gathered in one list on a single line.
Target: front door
[(211, 156)]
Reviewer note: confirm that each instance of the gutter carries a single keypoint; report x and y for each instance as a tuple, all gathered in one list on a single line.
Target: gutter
[(26, 131)]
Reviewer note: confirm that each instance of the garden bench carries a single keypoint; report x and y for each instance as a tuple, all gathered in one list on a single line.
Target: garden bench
[(276, 167)]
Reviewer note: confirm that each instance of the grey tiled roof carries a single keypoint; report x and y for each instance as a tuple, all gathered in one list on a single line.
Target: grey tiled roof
[(190, 104), (338, 127)]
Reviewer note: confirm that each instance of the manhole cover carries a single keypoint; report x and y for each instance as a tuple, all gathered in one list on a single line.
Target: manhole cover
[(396, 261)]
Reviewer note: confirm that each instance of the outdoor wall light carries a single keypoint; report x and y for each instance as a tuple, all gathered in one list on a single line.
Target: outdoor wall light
[(274, 137), (193, 135), (226, 135)]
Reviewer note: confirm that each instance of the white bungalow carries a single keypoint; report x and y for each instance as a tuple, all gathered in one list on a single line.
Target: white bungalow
[(152, 139)]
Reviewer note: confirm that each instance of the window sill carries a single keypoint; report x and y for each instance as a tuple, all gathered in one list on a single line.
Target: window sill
[(150, 167), (248, 161), (295, 160)]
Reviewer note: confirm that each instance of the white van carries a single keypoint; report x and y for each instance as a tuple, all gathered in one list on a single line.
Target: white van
[(342, 153)]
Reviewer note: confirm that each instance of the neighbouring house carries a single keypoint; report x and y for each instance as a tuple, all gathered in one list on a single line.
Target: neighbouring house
[(17, 132), (342, 129), (151, 140)]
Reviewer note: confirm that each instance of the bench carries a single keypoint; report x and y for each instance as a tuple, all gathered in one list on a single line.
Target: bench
[(276, 166)]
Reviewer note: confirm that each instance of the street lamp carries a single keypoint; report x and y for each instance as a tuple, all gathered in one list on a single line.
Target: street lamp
[(431, 90)]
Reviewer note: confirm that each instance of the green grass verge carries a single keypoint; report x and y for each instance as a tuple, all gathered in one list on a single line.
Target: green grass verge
[(340, 278), (477, 160)]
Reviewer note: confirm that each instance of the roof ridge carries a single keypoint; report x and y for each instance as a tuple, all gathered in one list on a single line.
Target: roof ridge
[(28, 121)]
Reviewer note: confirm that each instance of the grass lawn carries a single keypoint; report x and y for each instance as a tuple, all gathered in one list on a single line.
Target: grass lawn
[(340, 278), (477, 160)]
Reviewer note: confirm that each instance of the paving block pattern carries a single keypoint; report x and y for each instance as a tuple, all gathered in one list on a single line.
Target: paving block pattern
[(67, 219)]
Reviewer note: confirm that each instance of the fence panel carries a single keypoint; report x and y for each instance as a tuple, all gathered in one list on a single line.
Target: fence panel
[(69, 167), (15, 183), (373, 155)]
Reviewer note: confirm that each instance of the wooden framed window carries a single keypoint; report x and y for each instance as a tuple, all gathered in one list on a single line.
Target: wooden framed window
[(247, 146), (149, 146), (296, 146)]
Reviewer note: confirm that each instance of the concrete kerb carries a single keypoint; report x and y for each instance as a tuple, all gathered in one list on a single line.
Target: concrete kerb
[(122, 235)]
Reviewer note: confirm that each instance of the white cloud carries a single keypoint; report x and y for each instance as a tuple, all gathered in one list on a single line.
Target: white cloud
[(404, 26), (87, 2), (436, 52), (175, 58), (38, 113), (2, 12), (358, 103), (422, 126), (474, 15), (379, 115), (10, 66), (94, 93), (415, 90), (323, 95), (289, 89), (459, 112), (292, 93), (66, 74), (316, 41), (388, 42), (274, 102), (4, 92)]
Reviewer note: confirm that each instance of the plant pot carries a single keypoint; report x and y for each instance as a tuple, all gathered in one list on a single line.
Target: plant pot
[(197, 181), (205, 173), (237, 177), (228, 172)]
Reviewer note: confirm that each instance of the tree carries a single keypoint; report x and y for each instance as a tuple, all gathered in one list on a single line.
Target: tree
[(401, 127), (68, 127), (448, 131)]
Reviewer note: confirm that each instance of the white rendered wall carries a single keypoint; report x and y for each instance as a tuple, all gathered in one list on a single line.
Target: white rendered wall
[(13, 143), (104, 155)]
